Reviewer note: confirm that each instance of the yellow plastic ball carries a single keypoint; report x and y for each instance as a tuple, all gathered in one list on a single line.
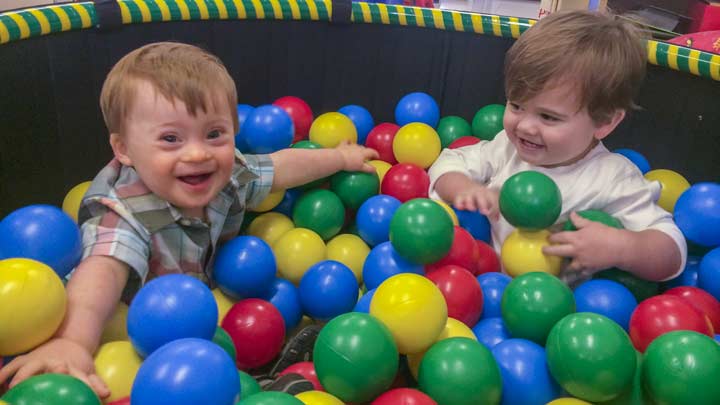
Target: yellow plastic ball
[(116, 327), (270, 226), (413, 309), (116, 364), (72, 200), (331, 128), (568, 401), (381, 167), (450, 211), (318, 398), (673, 184), (224, 303), (270, 202), (416, 143), (32, 304), (522, 253), (349, 250), (453, 328), (296, 251)]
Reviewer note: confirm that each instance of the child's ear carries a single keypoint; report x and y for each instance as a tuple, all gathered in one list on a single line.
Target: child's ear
[(120, 148), (605, 129)]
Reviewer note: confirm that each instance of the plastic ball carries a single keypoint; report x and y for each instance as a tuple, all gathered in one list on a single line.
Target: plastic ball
[(243, 111), (488, 260), (453, 328), (421, 231), (533, 303), (321, 211), (116, 327), (450, 211), (383, 262), (697, 214), (121, 401), (244, 267), (374, 216), (493, 286), (171, 307), (270, 227), (462, 293), (568, 401), (597, 216), (673, 185), (363, 304), (591, 356), (43, 233), (331, 128), (636, 157), (257, 329), (405, 181), (361, 118), (186, 371), (287, 203), (635, 394), (460, 371), (403, 396), (414, 310), (417, 107), (702, 301), (355, 357), (522, 253), (451, 128), (267, 129), (305, 369), (224, 303), (688, 277), (381, 139), (607, 298), (32, 304), (381, 168), (354, 188), (117, 363), (271, 201), (530, 200), (349, 250), (224, 340), (491, 331), (248, 385), (296, 251), (328, 289), (525, 376), (682, 367), (475, 223), (641, 289), (416, 143), (72, 200), (300, 113), (51, 389), (318, 398), (463, 141), (286, 298), (488, 121), (463, 252), (305, 144)]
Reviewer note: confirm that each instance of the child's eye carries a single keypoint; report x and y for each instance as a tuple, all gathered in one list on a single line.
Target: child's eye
[(170, 138), (514, 106), (214, 134), (550, 118)]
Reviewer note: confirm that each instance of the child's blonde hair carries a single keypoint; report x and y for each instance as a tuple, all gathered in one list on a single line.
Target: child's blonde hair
[(176, 71), (603, 56)]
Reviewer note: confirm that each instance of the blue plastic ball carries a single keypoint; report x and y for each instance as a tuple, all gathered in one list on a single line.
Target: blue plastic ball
[(43, 233), (287, 203), (362, 119), (186, 372), (328, 289), (245, 267), (709, 273), (286, 298), (475, 223), (374, 216), (697, 214), (363, 304), (493, 286), (636, 157), (688, 277), (267, 129), (243, 110), (383, 262), (171, 307), (525, 375), (606, 297), (417, 107), (491, 331)]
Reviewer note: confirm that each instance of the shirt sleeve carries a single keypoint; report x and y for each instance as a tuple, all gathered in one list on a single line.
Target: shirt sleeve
[(263, 172)]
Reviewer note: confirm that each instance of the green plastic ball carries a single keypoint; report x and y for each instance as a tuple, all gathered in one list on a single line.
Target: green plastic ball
[(591, 356), (597, 216), (641, 289), (355, 357), (222, 339), (451, 128), (530, 200), (320, 211), (683, 367), (460, 371), (354, 188), (306, 144), (635, 395), (270, 398), (488, 121), (533, 303), (248, 385), (55, 389), (421, 231)]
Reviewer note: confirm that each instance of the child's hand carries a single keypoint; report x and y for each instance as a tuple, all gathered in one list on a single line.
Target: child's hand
[(593, 247), (356, 156), (479, 198), (58, 355)]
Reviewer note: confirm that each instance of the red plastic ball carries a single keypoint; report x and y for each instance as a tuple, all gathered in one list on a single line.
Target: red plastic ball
[(403, 396), (462, 293), (463, 141), (463, 252), (307, 370), (405, 181), (121, 401), (665, 313), (488, 260), (300, 113), (702, 300), (381, 138), (257, 329)]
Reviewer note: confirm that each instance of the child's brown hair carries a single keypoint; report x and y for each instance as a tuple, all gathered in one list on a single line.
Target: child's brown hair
[(603, 56), (176, 71)]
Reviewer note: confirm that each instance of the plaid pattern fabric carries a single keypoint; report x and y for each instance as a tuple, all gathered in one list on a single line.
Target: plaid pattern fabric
[(123, 219)]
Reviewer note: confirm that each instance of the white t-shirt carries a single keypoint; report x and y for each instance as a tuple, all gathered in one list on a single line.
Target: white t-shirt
[(602, 180)]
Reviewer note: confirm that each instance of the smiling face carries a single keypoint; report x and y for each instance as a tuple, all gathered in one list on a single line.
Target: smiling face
[(550, 130), (184, 159)]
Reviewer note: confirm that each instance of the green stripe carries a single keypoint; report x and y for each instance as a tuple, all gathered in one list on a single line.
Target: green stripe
[(704, 64), (524, 24), (449, 22), (505, 27), (286, 10), (135, 14), (410, 18), (682, 59), (213, 11), (304, 10), (175, 14), (194, 10), (53, 19), (231, 10), (487, 25), (393, 14), (155, 12), (661, 54), (267, 8), (357, 14), (32, 22), (375, 13), (90, 8), (323, 12), (427, 16), (74, 16), (11, 26), (249, 9), (467, 22)]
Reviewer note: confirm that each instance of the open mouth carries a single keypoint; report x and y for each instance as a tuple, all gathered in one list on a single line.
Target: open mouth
[(195, 179), (530, 145)]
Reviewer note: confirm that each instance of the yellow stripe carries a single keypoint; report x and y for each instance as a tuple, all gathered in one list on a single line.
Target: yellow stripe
[(328, 7), (313, 10), (402, 15), (365, 8), (652, 52), (457, 22), (22, 25), (496, 25), (242, 14), (84, 15), (418, 16), (64, 19), (144, 11), (384, 15), (202, 6), (672, 57), (294, 10), (276, 9), (437, 18), (164, 10), (694, 62), (259, 12), (42, 20), (477, 24), (184, 10), (125, 12), (4, 34), (715, 67), (222, 10), (515, 27)]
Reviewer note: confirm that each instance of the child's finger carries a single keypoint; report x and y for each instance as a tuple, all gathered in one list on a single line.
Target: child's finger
[(562, 250), (28, 370), (368, 168), (99, 386)]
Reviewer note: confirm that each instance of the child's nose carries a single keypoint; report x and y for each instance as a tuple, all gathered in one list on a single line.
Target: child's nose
[(195, 153), (527, 125)]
